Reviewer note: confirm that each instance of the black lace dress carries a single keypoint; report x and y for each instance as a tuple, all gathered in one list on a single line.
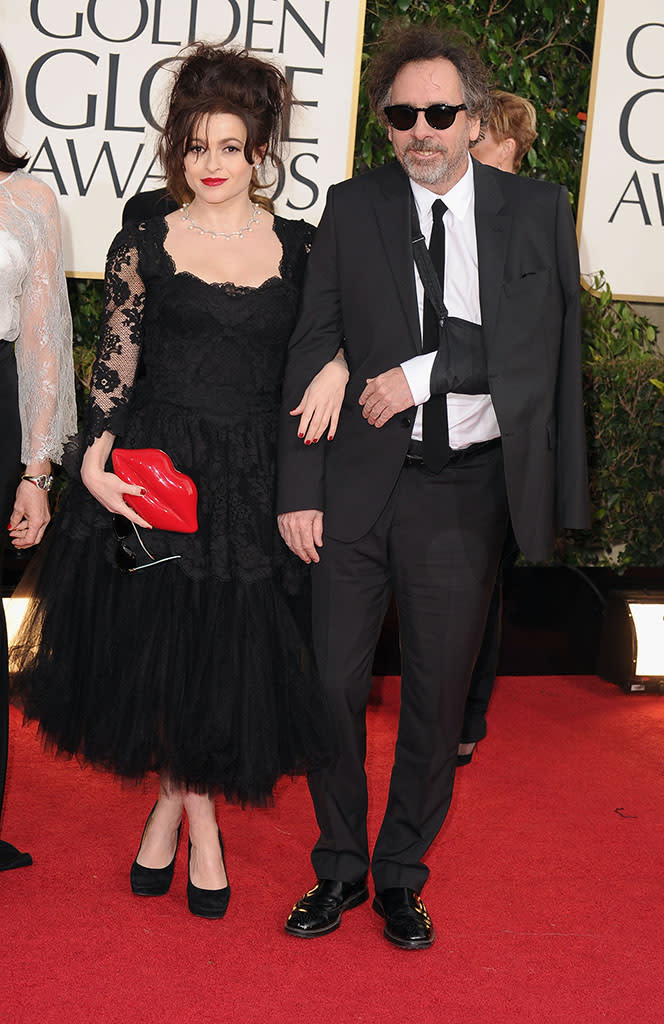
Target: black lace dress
[(200, 667)]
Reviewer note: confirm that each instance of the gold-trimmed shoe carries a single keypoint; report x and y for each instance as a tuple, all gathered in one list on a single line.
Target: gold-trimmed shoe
[(407, 922), (319, 911)]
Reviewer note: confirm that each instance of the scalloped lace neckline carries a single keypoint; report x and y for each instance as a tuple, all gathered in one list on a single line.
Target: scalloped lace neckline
[(227, 286)]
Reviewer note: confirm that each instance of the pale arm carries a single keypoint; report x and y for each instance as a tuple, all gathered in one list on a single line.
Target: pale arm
[(320, 405)]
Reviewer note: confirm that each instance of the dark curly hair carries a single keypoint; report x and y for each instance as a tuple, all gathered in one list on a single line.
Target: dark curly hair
[(401, 43), (9, 161), (224, 80)]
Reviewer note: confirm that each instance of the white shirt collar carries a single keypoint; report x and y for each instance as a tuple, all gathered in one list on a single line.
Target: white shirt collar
[(459, 200)]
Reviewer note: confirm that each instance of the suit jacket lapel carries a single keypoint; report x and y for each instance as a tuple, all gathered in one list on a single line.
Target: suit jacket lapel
[(392, 210), (492, 226)]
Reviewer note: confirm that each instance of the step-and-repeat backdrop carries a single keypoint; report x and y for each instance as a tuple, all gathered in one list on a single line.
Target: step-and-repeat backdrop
[(90, 88), (621, 209)]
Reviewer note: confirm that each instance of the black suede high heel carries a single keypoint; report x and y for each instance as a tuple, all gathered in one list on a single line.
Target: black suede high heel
[(152, 881), (210, 903), (463, 759)]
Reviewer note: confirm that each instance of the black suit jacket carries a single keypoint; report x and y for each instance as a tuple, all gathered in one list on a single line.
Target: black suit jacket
[(360, 293)]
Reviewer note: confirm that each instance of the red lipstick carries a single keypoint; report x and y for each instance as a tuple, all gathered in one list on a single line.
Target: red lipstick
[(213, 181)]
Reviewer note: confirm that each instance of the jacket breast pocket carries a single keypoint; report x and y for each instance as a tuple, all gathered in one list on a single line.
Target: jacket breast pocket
[(528, 283)]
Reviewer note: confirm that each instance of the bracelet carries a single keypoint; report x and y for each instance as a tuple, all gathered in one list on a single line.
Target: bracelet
[(43, 482)]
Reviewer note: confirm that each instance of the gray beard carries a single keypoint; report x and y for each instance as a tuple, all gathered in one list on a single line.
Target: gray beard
[(434, 175)]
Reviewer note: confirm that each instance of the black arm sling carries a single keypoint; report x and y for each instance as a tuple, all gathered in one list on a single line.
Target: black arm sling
[(460, 363)]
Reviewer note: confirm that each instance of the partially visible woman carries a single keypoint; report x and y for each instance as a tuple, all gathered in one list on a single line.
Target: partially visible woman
[(510, 132), (197, 665), (37, 404)]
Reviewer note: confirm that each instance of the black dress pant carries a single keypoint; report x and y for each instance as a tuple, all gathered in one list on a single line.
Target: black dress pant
[(484, 673), (10, 454), (437, 545)]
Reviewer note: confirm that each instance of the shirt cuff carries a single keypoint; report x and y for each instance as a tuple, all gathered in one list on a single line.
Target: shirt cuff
[(418, 374)]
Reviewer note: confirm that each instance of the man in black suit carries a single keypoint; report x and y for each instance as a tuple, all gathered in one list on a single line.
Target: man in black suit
[(443, 430)]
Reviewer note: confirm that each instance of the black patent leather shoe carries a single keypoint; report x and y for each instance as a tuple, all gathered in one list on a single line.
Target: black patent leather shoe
[(407, 923), (152, 881), (210, 903), (319, 911)]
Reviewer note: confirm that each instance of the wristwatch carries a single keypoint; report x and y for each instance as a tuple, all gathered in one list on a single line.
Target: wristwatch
[(43, 482)]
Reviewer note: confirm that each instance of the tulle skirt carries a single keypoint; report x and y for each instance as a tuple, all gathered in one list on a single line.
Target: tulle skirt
[(211, 681)]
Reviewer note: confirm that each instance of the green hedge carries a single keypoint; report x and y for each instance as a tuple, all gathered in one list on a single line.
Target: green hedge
[(625, 427)]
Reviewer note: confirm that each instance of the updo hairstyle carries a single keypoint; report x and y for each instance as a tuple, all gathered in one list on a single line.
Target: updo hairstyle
[(225, 80)]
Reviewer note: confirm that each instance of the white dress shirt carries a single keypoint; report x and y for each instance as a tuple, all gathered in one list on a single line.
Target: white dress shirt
[(471, 418)]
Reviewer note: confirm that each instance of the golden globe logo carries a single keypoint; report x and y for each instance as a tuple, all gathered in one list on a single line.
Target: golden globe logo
[(640, 119), (98, 104)]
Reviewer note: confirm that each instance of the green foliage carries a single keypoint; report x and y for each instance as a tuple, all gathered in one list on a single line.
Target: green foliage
[(86, 299), (624, 406), (541, 50), (612, 327), (624, 403)]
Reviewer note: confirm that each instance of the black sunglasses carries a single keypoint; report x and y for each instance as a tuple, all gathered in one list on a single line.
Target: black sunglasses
[(439, 115), (125, 558)]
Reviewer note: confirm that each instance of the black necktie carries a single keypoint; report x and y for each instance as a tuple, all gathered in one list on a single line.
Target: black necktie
[(435, 438)]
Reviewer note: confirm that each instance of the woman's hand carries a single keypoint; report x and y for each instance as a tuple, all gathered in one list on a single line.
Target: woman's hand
[(320, 405), (30, 515), (108, 488)]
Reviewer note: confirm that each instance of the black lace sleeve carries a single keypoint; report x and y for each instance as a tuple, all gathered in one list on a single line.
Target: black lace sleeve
[(120, 338)]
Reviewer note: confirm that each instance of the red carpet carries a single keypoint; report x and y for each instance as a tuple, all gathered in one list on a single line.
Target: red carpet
[(546, 890)]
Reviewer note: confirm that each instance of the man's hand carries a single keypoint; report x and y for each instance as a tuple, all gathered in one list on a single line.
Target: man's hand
[(384, 396), (303, 533)]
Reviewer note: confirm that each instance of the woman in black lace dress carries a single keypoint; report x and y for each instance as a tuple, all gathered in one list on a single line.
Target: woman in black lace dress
[(199, 668)]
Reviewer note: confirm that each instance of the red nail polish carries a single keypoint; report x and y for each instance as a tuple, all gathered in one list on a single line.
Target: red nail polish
[(300, 435), (315, 440), (307, 442), (143, 491)]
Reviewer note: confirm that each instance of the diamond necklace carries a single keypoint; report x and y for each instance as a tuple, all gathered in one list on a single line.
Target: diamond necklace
[(256, 212)]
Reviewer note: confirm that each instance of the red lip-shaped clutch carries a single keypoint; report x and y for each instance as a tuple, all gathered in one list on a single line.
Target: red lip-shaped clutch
[(170, 498)]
